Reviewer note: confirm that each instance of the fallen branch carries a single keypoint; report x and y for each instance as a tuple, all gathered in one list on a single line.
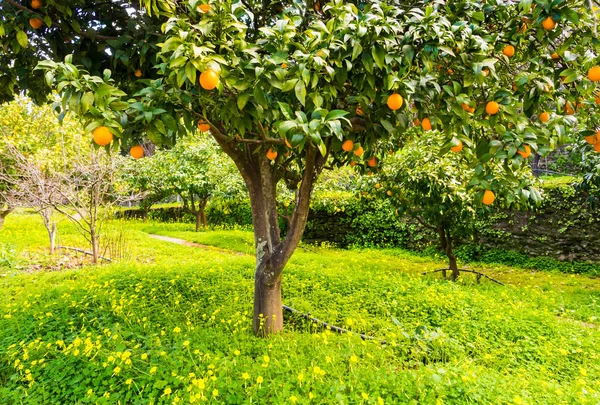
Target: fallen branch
[(329, 326), (83, 251), (479, 275)]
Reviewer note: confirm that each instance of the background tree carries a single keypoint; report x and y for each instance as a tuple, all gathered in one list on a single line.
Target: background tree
[(293, 77), (435, 189)]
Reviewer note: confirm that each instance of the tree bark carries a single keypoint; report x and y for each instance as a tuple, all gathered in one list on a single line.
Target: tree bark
[(52, 236), (3, 214), (446, 242), (95, 248), (272, 253)]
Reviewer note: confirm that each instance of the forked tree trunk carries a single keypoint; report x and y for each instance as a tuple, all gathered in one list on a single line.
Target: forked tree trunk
[(272, 253), (446, 243)]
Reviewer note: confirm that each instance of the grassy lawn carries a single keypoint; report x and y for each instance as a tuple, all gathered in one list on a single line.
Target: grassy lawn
[(172, 324)]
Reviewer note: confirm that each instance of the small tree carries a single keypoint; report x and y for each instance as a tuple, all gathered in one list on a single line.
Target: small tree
[(197, 170), (437, 189), (86, 193)]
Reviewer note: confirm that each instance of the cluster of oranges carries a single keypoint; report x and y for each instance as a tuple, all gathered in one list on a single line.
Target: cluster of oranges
[(103, 137)]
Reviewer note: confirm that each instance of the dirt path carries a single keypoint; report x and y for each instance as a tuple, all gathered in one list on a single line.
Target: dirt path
[(184, 242)]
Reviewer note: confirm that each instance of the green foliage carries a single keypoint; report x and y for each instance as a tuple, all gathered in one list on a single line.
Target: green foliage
[(161, 330)]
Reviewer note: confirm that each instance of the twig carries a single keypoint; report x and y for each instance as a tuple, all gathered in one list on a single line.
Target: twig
[(83, 251), (329, 326), (466, 271)]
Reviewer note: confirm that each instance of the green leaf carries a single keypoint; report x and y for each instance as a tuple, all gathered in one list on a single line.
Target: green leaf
[(86, 101), (285, 126), (379, 56), (335, 114), (479, 16), (356, 50), (190, 72), (301, 92), (242, 100), (22, 39)]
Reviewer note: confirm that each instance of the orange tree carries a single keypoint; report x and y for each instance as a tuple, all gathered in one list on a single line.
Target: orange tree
[(435, 189), (288, 88)]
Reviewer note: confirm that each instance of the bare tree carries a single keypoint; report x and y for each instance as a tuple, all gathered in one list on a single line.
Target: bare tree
[(31, 185)]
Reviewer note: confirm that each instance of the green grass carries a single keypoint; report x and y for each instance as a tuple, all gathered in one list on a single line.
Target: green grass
[(172, 324)]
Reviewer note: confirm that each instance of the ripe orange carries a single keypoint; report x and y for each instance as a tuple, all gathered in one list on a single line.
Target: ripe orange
[(488, 197), (492, 108), (594, 74), (597, 146), (525, 153), (426, 124), (348, 145), (205, 8), (549, 24), (284, 65), (271, 154), (372, 162), (509, 51), (359, 151), (36, 23), (389, 192), (138, 73), (209, 79), (353, 163), (395, 101), (36, 4), (569, 108), (486, 72), (457, 148), (203, 126), (417, 122), (102, 136), (592, 139), (555, 56), (597, 99), (136, 152), (377, 186), (544, 117), (466, 107)]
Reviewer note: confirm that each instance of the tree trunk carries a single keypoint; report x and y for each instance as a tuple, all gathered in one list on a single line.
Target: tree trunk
[(446, 243), (272, 254), (203, 212), (198, 216), (95, 248), (2, 216), (52, 236)]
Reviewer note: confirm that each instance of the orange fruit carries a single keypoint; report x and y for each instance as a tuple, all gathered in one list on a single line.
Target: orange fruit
[(102, 136), (287, 143), (36, 23), (284, 65), (205, 8), (359, 151), (597, 146), (592, 139), (486, 72), (569, 108), (544, 117), (597, 99), (488, 197), (492, 108), (426, 124), (271, 154), (138, 73), (209, 79), (377, 186), (417, 122), (36, 4), (389, 192), (549, 24), (353, 163), (457, 148), (136, 152), (594, 74), (372, 162), (525, 153), (203, 126), (509, 51), (359, 111), (555, 56), (348, 145), (395, 101)]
